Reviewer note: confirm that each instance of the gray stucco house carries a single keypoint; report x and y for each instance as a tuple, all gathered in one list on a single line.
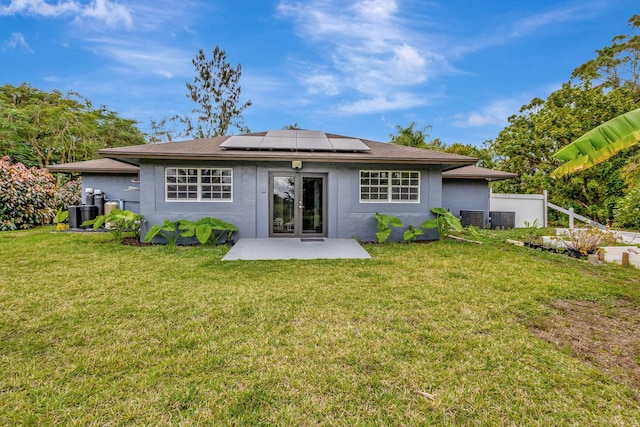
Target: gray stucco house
[(286, 183), (467, 189), (119, 180)]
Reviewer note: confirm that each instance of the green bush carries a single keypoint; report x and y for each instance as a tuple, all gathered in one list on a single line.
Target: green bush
[(207, 230), (627, 212), (120, 223), (385, 225), (445, 222), (28, 196), (168, 230)]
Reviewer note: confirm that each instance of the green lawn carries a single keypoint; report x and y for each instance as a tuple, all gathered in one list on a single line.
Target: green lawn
[(93, 333)]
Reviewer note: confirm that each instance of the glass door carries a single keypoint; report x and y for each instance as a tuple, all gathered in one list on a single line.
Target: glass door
[(283, 205), (298, 204)]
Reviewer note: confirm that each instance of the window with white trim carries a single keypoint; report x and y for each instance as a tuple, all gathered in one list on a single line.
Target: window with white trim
[(199, 184), (389, 186)]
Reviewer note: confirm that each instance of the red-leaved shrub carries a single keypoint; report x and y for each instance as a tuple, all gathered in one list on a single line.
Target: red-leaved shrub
[(70, 194), (28, 196)]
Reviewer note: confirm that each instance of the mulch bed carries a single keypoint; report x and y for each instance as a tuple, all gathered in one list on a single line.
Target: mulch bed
[(605, 337)]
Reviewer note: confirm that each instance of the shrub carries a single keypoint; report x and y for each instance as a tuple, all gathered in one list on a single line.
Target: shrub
[(627, 212), (412, 233), (445, 222), (168, 230), (385, 224), (28, 196), (120, 223), (207, 230), (586, 240), (70, 194)]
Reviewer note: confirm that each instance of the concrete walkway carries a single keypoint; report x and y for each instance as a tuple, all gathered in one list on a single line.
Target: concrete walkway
[(295, 248)]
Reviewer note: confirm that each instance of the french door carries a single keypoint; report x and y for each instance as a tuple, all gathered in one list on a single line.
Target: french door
[(298, 204)]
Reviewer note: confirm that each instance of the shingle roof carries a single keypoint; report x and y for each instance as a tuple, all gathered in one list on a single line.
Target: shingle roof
[(97, 166), (475, 172), (209, 149)]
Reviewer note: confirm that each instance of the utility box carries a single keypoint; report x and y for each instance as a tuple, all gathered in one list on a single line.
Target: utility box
[(502, 220), (472, 218)]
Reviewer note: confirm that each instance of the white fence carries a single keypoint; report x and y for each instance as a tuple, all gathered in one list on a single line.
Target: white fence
[(530, 209), (573, 216)]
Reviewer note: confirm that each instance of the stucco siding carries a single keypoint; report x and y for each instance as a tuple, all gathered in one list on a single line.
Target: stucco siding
[(347, 216), (116, 187), (240, 211), (356, 219), (466, 194)]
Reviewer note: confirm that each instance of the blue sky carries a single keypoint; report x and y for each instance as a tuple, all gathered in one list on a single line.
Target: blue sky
[(353, 67)]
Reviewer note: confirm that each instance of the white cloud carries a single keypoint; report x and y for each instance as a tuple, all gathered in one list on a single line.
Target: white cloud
[(556, 16), (370, 50), (409, 64), (377, 10), (528, 25), (321, 83), (17, 40), (40, 7), (102, 10), (378, 104), (495, 113), (109, 12), (102, 28), (150, 58)]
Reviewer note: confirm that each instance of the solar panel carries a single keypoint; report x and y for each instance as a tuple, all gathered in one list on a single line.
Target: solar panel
[(278, 143), (348, 144), (246, 142), (310, 134), (313, 144), (293, 140), (282, 133)]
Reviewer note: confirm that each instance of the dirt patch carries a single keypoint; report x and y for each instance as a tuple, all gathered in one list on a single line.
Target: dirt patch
[(605, 337), (134, 241)]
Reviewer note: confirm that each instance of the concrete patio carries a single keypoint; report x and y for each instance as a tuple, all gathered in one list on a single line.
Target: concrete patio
[(295, 248)]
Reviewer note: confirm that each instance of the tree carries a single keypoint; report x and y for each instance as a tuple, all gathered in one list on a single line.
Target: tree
[(600, 90), (216, 89), (526, 147), (410, 136), (39, 128), (484, 154), (617, 65), (160, 131)]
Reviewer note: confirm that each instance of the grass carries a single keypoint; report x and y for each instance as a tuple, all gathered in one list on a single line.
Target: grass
[(93, 333)]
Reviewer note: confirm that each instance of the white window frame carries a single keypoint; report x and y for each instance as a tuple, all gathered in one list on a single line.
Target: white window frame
[(390, 186), (199, 184)]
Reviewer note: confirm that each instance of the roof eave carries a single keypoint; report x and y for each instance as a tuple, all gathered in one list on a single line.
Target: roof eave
[(260, 156), (486, 178), (110, 171)]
